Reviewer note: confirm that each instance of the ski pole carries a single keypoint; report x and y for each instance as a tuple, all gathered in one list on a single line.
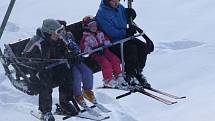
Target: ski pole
[(148, 40), (131, 22)]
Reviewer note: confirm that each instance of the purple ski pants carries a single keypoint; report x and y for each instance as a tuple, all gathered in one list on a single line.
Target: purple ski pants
[(81, 74)]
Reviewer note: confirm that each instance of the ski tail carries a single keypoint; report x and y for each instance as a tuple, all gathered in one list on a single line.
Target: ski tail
[(160, 99), (165, 101), (146, 91), (166, 94)]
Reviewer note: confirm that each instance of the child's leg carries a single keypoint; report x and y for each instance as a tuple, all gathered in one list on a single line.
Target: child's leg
[(87, 76), (87, 80), (115, 62), (77, 78), (105, 66)]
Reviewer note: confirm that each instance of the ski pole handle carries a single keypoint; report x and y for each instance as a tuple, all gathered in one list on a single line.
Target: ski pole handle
[(148, 40)]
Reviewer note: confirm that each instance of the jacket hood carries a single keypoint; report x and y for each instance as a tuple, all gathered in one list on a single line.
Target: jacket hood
[(105, 5)]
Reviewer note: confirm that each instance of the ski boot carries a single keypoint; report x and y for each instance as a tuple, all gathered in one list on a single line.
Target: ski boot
[(80, 100), (142, 80), (110, 83), (68, 109), (89, 95), (122, 84), (47, 117), (132, 81)]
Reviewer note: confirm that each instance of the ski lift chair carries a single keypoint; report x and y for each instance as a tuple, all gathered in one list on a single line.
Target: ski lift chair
[(24, 75), (20, 72)]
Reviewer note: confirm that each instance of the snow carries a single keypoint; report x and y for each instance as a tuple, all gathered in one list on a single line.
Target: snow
[(182, 63)]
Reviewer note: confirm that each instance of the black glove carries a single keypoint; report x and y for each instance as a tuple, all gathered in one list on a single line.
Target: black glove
[(131, 30), (100, 52), (131, 13), (74, 58)]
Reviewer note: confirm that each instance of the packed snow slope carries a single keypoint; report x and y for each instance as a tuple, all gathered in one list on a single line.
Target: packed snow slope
[(182, 63)]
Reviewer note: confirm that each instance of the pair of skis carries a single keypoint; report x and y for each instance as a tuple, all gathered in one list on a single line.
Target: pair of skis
[(84, 113), (140, 89)]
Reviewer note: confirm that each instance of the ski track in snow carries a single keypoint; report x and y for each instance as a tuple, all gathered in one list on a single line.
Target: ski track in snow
[(110, 102), (12, 27), (164, 47)]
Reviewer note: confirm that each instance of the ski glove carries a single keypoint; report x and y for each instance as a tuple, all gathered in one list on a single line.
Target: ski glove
[(131, 13), (107, 43), (131, 30), (62, 22)]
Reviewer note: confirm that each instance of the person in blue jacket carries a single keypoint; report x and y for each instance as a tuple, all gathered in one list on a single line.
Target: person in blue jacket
[(113, 18)]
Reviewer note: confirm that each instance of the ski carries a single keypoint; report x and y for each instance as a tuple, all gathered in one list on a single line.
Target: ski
[(139, 89), (102, 108), (84, 113), (166, 94), (165, 101), (99, 106), (36, 114)]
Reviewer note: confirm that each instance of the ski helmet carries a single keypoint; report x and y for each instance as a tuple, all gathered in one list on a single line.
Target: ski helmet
[(50, 26), (88, 22)]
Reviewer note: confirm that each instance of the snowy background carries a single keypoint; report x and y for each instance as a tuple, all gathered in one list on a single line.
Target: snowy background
[(182, 63)]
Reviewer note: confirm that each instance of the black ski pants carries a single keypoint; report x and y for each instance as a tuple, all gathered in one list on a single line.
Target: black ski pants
[(59, 76), (135, 55)]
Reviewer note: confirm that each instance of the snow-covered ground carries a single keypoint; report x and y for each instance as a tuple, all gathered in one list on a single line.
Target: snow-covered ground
[(182, 63)]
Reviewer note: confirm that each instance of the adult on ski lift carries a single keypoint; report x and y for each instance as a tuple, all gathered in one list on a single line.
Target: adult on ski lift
[(110, 63), (46, 45), (112, 18)]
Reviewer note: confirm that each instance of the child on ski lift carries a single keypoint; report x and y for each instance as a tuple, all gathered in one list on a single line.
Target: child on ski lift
[(81, 74), (110, 63)]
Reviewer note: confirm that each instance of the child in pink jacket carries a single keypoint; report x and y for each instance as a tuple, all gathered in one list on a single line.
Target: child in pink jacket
[(110, 63)]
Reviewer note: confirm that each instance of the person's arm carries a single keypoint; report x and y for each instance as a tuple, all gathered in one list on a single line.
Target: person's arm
[(109, 28), (105, 39), (85, 45)]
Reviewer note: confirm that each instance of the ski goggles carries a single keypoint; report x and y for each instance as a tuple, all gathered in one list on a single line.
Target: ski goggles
[(60, 30), (92, 24)]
